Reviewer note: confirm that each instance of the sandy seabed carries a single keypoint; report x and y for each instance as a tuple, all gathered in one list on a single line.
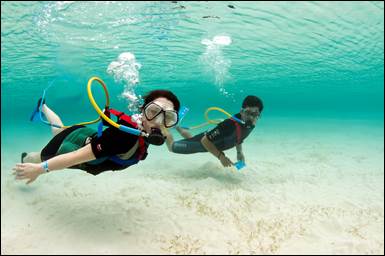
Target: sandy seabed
[(304, 194)]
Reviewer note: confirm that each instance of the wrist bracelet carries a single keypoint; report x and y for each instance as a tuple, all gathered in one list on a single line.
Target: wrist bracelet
[(45, 166)]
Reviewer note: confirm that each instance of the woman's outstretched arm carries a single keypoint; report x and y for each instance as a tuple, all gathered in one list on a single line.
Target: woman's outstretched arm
[(31, 171)]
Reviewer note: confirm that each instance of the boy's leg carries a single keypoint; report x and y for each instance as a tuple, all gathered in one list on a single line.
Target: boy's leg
[(170, 138), (185, 134)]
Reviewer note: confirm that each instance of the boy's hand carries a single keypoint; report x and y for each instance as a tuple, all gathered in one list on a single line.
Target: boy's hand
[(225, 161)]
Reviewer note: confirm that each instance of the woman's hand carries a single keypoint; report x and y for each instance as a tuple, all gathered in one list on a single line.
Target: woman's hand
[(29, 171)]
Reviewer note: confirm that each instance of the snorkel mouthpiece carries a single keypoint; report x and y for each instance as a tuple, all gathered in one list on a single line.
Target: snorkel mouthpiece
[(248, 123), (156, 137)]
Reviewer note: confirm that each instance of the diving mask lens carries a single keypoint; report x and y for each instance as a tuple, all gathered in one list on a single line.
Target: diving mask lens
[(170, 117), (252, 114), (152, 110)]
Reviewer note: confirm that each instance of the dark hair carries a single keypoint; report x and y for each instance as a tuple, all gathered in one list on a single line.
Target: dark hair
[(152, 95), (253, 101)]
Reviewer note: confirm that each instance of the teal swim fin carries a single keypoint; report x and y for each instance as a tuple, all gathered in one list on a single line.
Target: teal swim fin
[(182, 112), (239, 165), (36, 112)]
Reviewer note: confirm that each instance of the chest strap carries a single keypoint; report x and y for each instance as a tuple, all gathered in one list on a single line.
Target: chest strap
[(141, 145), (238, 131)]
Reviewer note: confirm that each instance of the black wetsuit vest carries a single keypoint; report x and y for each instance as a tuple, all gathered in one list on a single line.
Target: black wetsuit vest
[(225, 135)]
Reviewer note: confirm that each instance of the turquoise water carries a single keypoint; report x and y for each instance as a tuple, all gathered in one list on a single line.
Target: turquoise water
[(317, 66), (311, 60)]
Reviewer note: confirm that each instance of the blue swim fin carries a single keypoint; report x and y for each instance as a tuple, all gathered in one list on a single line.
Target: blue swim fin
[(36, 112)]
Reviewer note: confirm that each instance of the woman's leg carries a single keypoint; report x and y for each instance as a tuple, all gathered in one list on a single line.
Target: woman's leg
[(53, 118), (35, 157), (32, 157)]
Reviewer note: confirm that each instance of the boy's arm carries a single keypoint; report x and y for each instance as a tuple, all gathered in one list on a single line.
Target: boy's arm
[(210, 147), (239, 148), (240, 156)]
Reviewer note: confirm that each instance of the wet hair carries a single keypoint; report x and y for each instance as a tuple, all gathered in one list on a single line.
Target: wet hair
[(252, 101), (152, 95)]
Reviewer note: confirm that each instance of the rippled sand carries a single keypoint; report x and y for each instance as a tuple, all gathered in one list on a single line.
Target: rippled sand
[(307, 196)]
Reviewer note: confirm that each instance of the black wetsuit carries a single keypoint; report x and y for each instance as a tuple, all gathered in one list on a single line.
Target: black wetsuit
[(223, 136), (112, 142)]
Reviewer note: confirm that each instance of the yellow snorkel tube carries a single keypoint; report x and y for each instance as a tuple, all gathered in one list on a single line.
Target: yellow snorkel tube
[(102, 115), (129, 129), (98, 110), (213, 121), (61, 126), (224, 112)]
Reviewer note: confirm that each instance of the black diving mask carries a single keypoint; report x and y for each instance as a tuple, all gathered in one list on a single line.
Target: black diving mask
[(250, 116)]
